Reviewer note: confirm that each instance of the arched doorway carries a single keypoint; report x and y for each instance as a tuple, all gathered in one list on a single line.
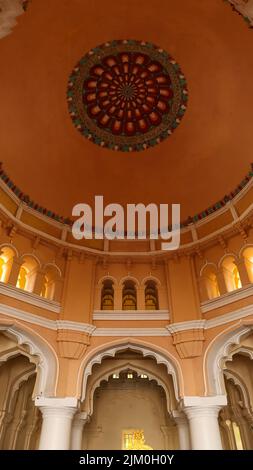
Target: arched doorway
[(20, 420), (129, 401)]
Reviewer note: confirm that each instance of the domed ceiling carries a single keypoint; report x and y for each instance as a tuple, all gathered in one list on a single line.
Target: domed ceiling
[(63, 54)]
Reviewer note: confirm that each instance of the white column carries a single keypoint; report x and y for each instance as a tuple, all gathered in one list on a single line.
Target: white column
[(57, 416), (183, 430), (77, 430), (202, 413)]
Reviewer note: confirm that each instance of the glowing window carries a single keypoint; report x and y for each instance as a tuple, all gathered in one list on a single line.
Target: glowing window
[(107, 295), (130, 376), (115, 376), (22, 278), (231, 274), (237, 435), (6, 260), (151, 296), (143, 376), (129, 297)]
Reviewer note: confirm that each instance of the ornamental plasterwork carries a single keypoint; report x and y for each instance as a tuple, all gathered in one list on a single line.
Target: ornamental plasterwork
[(9, 11), (245, 8)]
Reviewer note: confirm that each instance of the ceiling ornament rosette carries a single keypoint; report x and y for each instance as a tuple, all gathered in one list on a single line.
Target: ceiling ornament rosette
[(127, 95)]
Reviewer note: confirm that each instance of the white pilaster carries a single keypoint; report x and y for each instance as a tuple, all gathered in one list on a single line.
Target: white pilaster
[(77, 430), (202, 413), (57, 419), (183, 429)]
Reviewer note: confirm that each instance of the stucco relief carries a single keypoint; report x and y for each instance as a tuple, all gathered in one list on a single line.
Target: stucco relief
[(9, 11)]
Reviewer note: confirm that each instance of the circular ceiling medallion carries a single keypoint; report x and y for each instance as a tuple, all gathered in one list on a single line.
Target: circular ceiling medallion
[(127, 95)]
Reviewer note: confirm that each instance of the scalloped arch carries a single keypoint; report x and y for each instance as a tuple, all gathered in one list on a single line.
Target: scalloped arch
[(161, 356)]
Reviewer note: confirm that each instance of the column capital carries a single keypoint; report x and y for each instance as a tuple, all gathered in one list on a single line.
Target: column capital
[(57, 406), (202, 413), (57, 416), (179, 417), (195, 406), (81, 418)]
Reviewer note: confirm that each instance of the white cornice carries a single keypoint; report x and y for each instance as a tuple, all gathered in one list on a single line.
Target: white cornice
[(229, 317), (130, 332), (76, 326), (189, 325), (93, 331), (29, 298), (62, 227), (226, 299), (120, 315), (9, 11)]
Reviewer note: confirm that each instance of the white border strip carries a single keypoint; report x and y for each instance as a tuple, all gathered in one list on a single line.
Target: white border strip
[(136, 315), (29, 298), (92, 330), (227, 298)]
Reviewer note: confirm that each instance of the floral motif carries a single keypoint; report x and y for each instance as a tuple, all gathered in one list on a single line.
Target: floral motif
[(127, 95)]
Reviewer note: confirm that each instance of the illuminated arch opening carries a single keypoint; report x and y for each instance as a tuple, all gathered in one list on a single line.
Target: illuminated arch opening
[(231, 274), (6, 261), (49, 282), (211, 282), (27, 274), (248, 259)]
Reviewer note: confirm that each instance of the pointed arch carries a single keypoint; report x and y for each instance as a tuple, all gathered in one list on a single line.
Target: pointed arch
[(160, 355)]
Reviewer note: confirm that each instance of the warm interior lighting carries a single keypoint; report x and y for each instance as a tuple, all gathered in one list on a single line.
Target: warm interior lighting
[(133, 439), (129, 297), (107, 295), (27, 274), (237, 436), (6, 260), (151, 296), (231, 274), (22, 278)]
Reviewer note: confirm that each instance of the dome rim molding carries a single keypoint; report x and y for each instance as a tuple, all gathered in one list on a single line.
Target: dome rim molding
[(13, 221)]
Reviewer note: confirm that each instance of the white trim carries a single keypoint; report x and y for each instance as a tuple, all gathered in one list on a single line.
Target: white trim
[(91, 329), (136, 315), (227, 298), (75, 326), (186, 325), (56, 402), (47, 366), (217, 353), (159, 354), (119, 368), (130, 332), (27, 317), (29, 298), (229, 317), (129, 278), (218, 400)]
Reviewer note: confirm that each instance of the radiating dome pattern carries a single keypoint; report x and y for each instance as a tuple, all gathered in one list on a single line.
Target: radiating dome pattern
[(127, 95)]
